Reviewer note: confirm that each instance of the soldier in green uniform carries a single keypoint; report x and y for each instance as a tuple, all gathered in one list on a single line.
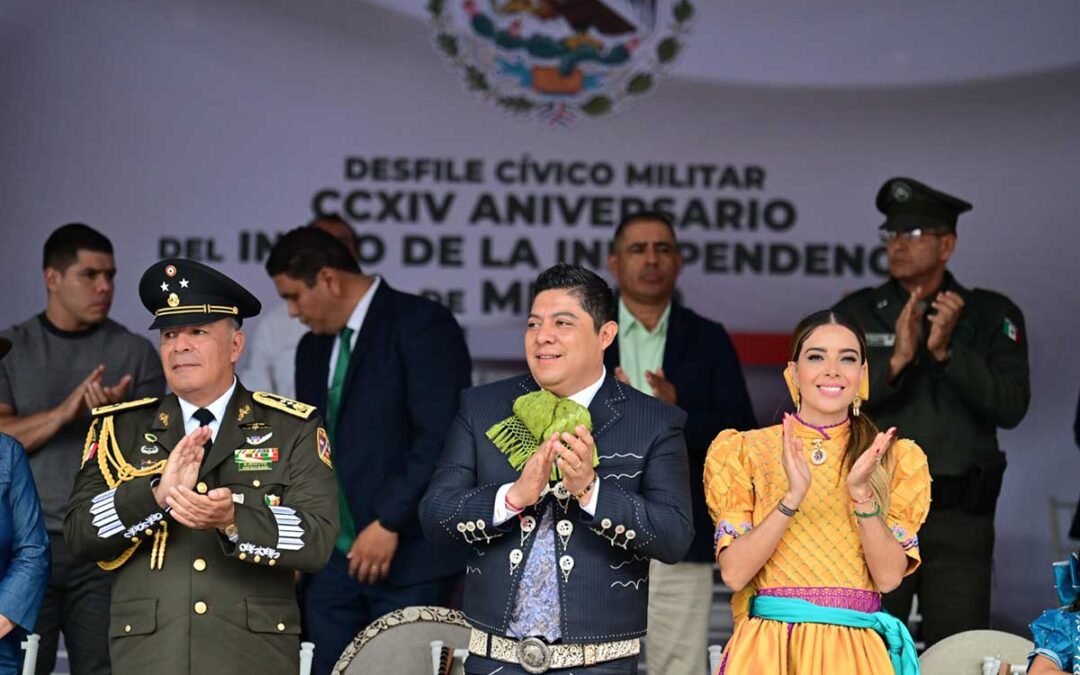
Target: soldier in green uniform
[(205, 502), (948, 366)]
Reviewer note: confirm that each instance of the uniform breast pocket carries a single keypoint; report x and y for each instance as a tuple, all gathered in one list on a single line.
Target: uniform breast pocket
[(133, 617), (273, 615), (251, 488)]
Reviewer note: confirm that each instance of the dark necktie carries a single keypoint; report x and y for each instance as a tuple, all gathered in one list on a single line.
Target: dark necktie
[(205, 417)]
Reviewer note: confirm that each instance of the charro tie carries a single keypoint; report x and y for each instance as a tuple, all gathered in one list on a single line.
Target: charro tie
[(536, 608), (347, 533)]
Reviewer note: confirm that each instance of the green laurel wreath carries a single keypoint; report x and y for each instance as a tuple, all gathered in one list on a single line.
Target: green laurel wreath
[(667, 50)]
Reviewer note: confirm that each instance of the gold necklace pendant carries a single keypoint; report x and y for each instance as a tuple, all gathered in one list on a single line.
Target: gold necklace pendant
[(818, 454)]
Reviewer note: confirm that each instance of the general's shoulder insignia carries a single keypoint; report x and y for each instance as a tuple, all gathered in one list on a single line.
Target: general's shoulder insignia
[(296, 408), (323, 446), (126, 405)]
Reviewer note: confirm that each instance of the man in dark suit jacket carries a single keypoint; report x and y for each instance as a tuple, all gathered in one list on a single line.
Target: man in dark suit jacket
[(386, 369), (565, 483), (682, 358)]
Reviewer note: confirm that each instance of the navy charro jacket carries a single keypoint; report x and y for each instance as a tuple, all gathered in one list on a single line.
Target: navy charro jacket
[(642, 511)]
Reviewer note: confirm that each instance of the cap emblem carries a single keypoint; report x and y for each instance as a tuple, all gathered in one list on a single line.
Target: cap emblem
[(170, 270), (173, 300), (900, 191)]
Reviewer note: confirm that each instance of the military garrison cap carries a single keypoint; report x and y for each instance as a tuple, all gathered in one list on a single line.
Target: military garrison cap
[(5, 346), (909, 204), (182, 292)]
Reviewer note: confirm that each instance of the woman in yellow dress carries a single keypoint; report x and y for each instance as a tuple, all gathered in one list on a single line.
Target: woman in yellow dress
[(815, 518)]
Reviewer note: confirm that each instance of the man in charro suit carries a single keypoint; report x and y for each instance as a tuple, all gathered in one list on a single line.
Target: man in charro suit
[(203, 503), (565, 483)]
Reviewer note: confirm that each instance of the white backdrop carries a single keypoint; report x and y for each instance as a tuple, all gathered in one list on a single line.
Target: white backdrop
[(219, 121)]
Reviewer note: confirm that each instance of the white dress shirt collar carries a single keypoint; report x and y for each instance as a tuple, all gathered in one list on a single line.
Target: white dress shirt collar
[(586, 395), (359, 313), (356, 322), (217, 408)]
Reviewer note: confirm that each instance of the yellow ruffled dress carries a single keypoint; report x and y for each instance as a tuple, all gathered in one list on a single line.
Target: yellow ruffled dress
[(820, 556)]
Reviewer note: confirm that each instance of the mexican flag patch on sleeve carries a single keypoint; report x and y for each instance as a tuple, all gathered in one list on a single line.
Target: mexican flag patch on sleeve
[(1011, 330)]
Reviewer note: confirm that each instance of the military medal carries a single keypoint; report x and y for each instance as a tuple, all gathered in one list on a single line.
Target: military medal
[(259, 439), (255, 459), (818, 454), (151, 447)]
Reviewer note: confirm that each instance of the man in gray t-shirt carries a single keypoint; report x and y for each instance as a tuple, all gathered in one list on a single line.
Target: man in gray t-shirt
[(64, 362)]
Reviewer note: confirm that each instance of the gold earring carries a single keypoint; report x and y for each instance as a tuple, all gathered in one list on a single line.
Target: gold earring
[(855, 405), (793, 389)]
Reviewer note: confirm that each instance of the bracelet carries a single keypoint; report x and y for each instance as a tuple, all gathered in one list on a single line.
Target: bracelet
[(786, 510), (511, 505), (588, 488), (869, 499), (876, 512)]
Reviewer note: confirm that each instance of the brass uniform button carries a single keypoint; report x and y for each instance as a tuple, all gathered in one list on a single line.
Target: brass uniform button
[(243, 556), (199, 564), (258, 558), (200, 607), (201, 488), (281, 627), (271, 562), (256, 482), (149, 532), (127, 628)]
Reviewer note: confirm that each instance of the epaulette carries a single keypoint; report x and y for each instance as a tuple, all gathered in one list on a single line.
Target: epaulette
[(126, 405), (295, 408)]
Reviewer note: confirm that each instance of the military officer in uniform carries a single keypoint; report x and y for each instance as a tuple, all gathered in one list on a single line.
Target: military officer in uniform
[(948, 366), (203, 503)]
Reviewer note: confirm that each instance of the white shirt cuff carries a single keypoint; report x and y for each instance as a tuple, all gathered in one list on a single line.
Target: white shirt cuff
[(591, 508), (502, 512)]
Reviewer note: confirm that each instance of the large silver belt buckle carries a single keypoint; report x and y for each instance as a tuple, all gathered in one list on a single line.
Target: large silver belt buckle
[(533, 655)]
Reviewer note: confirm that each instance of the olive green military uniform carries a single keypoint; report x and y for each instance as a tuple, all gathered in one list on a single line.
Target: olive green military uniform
[(952, 410), (196, 601)]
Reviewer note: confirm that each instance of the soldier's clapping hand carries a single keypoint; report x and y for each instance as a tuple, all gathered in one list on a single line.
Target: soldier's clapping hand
[(182, 467), (202, 512)]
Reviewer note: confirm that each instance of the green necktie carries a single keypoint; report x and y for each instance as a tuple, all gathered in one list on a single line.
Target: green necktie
[(347, 533)]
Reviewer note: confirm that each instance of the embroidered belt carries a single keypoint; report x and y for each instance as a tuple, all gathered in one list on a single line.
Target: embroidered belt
[(536, 656), (825, 596)]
